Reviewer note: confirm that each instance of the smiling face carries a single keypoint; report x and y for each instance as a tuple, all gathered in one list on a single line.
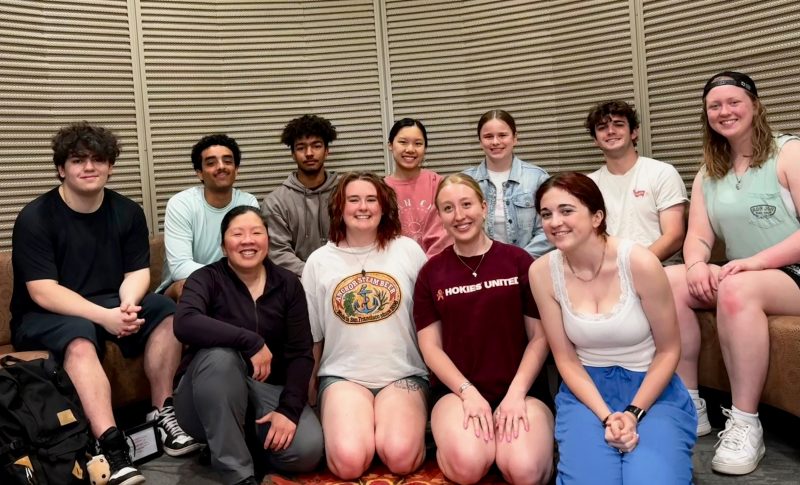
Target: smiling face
[(362, 210), (462, 212), (84, 174), (245, 242), (408, 149), (218, 168), (566, 221), (614, 136), (498, 141), (730, 111)]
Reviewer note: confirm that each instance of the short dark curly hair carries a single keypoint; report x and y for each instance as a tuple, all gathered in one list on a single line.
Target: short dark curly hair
[(84, 139), (219, 139), (308, 125), (603, 111)]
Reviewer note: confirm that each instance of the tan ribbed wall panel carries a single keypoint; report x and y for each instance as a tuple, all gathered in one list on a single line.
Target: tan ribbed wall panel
[(686, 42), (61, 61), (247, 68), (544, 62)]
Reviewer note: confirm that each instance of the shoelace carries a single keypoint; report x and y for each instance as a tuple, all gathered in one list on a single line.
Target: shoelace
[(118, 459), (734, 434), (166, 418)]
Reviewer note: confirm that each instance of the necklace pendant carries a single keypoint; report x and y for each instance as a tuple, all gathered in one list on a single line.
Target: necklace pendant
[(363, 273), (738, 185), (474, 274)]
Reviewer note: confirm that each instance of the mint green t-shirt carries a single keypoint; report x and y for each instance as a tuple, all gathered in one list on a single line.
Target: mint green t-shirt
[(755, 216)]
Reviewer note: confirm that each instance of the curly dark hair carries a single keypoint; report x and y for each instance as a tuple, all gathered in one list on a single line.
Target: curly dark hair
[(84, 139), (602, 112), (308, 125), (218, 139), (388, 228)]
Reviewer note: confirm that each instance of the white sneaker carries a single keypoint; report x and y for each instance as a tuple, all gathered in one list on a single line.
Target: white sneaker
[(703, 426), (740, 447)]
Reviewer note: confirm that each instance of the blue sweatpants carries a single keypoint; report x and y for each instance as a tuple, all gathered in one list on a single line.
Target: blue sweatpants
[(667, 435)]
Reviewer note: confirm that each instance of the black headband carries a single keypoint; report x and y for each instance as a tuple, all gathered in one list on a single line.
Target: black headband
[(731, 78)]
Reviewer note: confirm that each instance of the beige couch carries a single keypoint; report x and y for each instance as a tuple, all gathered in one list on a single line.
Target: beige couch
[(128, 381), (782, 389)]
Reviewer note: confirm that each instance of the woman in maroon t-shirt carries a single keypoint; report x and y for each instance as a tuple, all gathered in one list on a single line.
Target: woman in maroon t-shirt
[(480, 335)]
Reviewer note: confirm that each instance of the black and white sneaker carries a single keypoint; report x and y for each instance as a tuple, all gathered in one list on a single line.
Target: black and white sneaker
[(115, 449), (176, 441)]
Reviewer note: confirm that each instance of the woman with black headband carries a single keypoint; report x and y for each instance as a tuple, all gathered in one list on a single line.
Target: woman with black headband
[(747, 194)]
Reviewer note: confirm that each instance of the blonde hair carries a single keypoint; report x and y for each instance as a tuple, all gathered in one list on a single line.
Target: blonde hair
[(717, 150), (462, 179)]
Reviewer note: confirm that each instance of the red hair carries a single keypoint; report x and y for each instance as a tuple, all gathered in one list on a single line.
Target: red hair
[(388, 228), (582, 188)]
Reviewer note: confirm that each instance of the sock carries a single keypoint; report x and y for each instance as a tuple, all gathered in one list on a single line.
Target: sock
[(751, 419), (694, 394)]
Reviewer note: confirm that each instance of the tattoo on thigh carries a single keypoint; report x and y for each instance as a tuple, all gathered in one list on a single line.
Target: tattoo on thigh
[(408, 384)]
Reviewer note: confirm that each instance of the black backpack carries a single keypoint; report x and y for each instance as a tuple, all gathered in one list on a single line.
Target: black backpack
[(43, 431)]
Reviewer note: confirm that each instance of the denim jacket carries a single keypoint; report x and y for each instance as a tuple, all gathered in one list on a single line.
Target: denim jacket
[(523, 224)]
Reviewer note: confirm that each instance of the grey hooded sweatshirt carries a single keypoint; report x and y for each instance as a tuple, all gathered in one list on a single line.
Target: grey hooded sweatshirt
[(298, 220)]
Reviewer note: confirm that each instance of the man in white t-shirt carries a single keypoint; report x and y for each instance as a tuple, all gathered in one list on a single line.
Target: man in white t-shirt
[(192, 220), (645, 198)]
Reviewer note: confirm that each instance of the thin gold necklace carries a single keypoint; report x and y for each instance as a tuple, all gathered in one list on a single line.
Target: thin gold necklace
[(471, 270), (599, 267)]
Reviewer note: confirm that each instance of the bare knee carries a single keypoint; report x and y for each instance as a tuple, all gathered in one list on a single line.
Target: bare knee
[(531, 472), (402, 456), (463, 467), (80, 351), (165, 329), (732, 297), (348, 460)]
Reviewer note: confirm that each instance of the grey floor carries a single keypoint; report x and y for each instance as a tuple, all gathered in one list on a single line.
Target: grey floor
[(781, 465)]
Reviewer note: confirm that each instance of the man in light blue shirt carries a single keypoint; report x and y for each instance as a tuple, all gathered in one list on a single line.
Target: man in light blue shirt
[(193, 217)]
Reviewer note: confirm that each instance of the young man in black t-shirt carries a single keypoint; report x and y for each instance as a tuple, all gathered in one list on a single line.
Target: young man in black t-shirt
[(81, 272)]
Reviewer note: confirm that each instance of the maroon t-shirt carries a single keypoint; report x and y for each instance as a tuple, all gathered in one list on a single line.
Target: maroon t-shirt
[(483, 330)]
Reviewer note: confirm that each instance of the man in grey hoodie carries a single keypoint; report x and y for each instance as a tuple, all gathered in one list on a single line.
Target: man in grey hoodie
[(297, 211)]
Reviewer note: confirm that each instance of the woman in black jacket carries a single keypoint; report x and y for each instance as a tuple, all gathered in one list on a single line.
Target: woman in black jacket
[(245, 322)]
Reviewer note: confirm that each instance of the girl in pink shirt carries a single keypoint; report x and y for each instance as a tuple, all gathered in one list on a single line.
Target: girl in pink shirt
[(415, 187)]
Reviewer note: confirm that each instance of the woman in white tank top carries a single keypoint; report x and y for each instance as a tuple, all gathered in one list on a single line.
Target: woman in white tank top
[(609, 317)]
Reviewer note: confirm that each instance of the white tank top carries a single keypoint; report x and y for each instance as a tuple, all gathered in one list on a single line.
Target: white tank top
[(621, 337)]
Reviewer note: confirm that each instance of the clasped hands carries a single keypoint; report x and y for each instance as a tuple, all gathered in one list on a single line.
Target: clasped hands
[(621, 431)]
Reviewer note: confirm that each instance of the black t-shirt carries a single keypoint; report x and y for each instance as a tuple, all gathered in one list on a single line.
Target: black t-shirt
[(87, 253)]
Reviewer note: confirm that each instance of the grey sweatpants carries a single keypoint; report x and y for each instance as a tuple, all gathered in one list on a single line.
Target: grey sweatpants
[(210, 404)]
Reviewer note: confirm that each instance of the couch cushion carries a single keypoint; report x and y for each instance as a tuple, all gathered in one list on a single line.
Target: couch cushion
[(6, 288), (783, 378)]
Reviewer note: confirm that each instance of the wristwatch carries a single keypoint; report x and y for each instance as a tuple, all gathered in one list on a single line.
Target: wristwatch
[(638, 413)]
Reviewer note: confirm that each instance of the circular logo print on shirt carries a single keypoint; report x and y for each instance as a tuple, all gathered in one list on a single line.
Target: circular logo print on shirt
[(362, 299)]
